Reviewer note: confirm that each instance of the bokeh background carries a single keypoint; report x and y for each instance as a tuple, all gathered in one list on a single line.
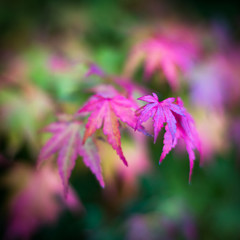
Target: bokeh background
[(45, 50)]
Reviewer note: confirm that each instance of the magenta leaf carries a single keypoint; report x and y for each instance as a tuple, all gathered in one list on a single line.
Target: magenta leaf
[(106, 109), (164, 54), (91, 159), (94, 70), (37, 199), (179, 124), (67, 141)]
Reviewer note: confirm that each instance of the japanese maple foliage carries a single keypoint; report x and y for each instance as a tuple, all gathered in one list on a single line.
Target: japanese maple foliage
[(107, 107), (179, 124), (67, 141), (36, 199), (160, 53)]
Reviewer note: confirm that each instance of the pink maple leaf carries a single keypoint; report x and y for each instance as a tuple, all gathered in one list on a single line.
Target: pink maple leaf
[(180, 124), (107, 108), (161, 53), (67, 141), (33, 201)]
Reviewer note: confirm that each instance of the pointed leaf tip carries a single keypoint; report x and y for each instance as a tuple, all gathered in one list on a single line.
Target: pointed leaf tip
[(155, 96), (126, 163)]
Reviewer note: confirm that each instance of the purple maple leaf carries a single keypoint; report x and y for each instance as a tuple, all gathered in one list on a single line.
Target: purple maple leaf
[(180, 124), (94, 70), (67, 141)]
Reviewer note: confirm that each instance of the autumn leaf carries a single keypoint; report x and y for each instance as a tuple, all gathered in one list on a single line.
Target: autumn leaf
[(160, 53), (179, 124), (36, 199), (107, 108), (67, 142)]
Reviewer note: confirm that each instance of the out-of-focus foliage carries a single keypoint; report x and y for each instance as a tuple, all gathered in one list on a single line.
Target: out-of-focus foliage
[(49, 51), (35, 200), (67, 141), (22, 110), (170, 54)]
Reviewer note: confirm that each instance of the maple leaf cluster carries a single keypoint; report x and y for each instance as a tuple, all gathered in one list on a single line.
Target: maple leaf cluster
[(110, 110)]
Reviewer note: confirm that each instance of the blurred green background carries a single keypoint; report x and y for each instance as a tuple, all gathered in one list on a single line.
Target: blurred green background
[(160, 204)]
